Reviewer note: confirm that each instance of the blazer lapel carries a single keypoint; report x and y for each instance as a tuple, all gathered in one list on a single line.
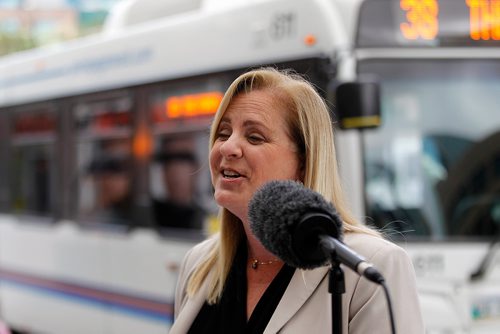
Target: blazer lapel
[(190, 311), (301, 287)]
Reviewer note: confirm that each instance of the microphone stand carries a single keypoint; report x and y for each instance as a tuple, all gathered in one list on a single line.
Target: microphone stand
[(336, 287)]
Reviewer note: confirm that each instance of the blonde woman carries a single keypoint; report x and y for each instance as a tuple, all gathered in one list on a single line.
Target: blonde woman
[(273, 125)]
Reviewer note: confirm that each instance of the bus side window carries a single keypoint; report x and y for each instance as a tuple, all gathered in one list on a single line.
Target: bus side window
[(180, 114), (175, 178), (104, 162), (32, 161)]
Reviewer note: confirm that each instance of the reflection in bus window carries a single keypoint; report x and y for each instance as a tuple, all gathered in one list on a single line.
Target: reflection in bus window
[(176, 177), (33, 162), (105, 162), (432, 168)]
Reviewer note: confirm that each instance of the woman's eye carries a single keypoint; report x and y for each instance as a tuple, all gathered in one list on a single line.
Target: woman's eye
[(223, 135), (255, 139)]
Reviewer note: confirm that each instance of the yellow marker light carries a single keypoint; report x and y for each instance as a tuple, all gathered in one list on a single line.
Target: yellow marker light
[(193, 105), (361, 122), (142, 144)]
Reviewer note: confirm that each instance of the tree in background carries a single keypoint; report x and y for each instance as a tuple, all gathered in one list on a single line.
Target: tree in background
[(26, 24), (14, 42)]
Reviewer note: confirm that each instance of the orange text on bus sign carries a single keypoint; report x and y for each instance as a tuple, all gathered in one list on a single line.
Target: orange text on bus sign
[(37, 123), (193, 105), (421, 19), (484, 19), (110, 120)]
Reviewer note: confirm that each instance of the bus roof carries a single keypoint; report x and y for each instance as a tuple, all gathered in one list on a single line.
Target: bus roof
[(204, 39)]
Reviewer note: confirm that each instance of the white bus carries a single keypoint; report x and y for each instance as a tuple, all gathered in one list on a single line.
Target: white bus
[(104, 183)]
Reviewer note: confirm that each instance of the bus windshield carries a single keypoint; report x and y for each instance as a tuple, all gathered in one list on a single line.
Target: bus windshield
[(432, 170)]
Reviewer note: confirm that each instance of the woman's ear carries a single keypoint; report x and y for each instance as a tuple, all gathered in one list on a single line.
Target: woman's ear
[(302, 171)]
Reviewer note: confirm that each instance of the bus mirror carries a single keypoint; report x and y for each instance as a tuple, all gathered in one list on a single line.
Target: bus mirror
[(358, 104)]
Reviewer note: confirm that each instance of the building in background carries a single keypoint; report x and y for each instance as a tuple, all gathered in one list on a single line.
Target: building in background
[(25, 24)]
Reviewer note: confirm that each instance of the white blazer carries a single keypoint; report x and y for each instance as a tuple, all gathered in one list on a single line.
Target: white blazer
[(306, 304)]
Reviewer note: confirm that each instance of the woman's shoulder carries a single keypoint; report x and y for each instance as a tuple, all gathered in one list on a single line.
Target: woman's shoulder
[(394, 263), (374, 248), (198, 252), (194, 257), (205, 245)]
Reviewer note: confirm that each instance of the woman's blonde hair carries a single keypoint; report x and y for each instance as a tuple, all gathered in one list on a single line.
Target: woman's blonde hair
[(311, 128)]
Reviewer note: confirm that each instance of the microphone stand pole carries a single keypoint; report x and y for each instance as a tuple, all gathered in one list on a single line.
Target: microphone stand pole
[(336, 287)]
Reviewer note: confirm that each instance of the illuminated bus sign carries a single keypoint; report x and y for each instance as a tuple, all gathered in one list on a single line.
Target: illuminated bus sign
[(113, 120), (430, 23), (484, 19), (104, 116), (193, 105), (421, 19), (34, 123)]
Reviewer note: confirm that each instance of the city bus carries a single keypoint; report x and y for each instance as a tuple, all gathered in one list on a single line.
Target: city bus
[(104, 183)]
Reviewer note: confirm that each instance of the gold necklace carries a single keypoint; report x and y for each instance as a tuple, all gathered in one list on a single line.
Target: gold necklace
[(255, 263)]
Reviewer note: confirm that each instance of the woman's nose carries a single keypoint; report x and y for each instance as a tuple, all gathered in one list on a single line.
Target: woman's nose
[(231, 147)]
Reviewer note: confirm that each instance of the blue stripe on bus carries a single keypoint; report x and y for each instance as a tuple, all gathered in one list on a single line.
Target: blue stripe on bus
[(106, 305)]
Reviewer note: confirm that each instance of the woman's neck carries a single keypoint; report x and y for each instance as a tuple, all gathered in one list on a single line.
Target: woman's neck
[(256, 251)]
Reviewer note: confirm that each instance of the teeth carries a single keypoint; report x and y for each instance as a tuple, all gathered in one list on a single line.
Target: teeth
[(230, 173)]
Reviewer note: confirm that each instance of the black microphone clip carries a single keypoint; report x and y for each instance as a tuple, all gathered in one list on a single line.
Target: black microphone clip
[(316, 237)]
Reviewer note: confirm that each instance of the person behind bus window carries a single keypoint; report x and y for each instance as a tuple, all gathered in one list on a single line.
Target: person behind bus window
[(109, 171), (178, 164), (273, 125)]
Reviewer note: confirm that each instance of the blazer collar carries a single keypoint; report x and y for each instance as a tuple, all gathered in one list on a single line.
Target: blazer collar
[(301, 287)]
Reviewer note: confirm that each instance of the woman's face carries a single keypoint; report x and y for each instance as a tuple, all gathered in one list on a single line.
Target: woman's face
[(252, 147)]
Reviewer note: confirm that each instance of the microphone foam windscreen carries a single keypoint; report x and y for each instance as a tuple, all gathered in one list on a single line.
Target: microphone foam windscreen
[(276, 209)]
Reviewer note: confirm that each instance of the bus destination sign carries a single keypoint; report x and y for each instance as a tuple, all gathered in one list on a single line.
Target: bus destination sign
[(432, 23)]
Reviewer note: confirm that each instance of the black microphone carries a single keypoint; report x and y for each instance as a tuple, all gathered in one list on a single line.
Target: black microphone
[(300, 227)]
